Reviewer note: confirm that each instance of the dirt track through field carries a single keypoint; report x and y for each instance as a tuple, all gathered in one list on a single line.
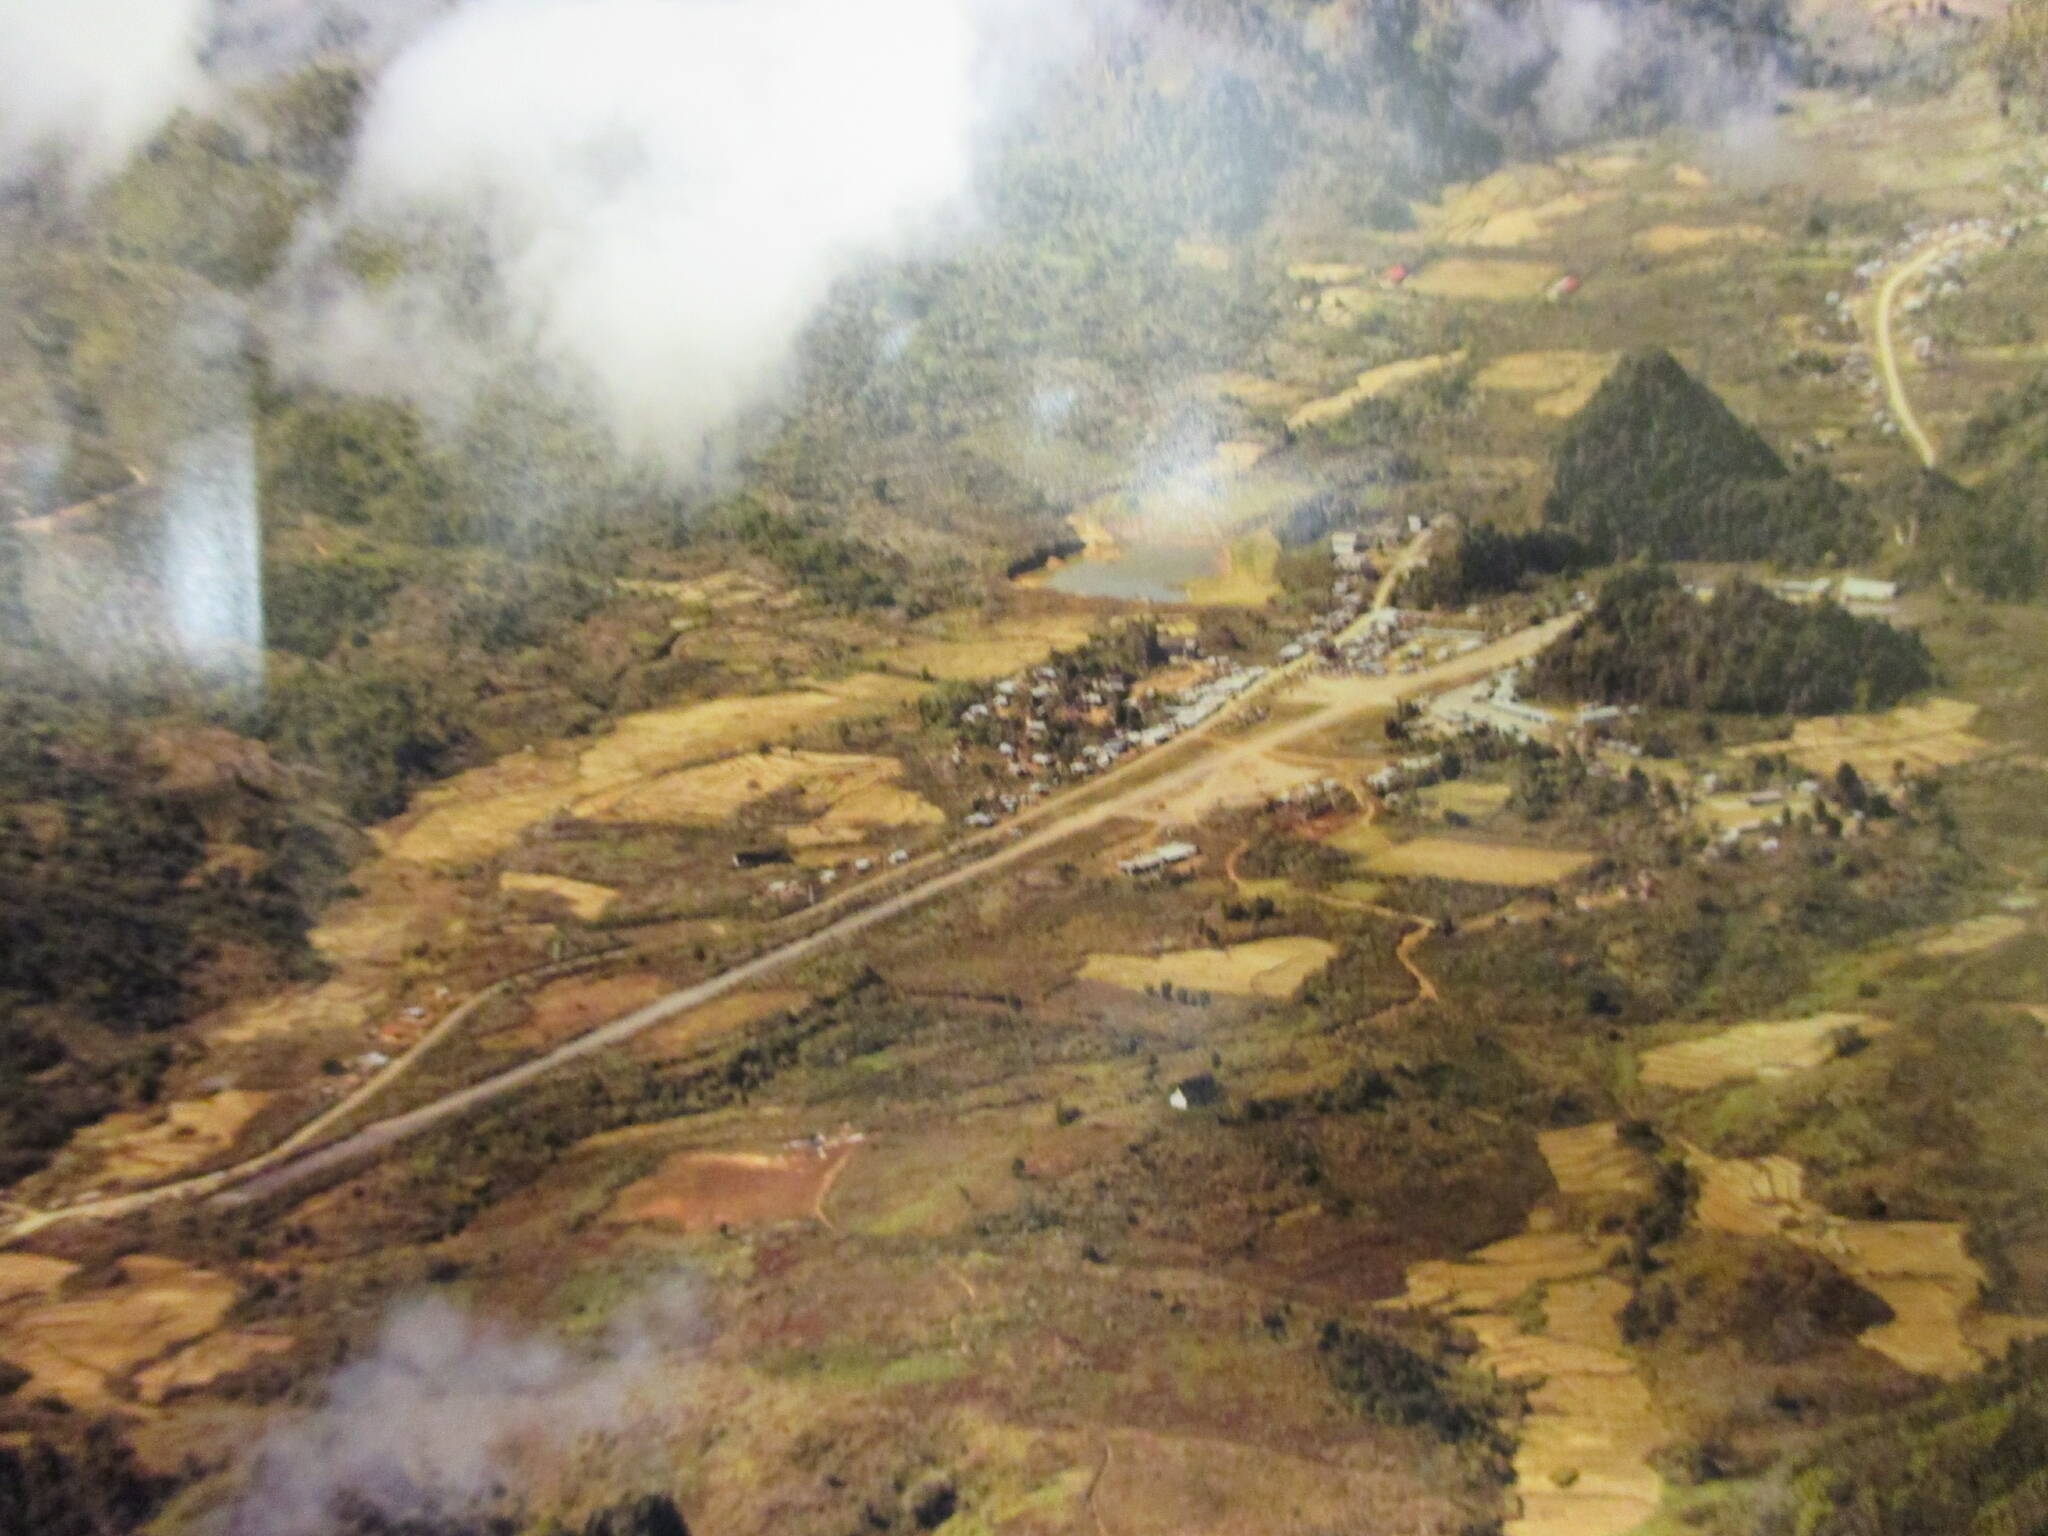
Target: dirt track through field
[(1887, 352)]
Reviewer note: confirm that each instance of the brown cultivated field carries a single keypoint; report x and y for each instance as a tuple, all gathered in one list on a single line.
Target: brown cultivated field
[(587, 901), (1754, 1050), (148, 1147), (1562, 382), (1678, 239), (575, 1005), (703, 1191), (1460, 277), (713, 1021), (1445, 858), (75, 1348), (1273, 968), (1925, 737)]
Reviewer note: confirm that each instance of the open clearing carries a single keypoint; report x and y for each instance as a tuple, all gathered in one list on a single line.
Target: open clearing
[(1371, 384), (1465, 277), (1974, 935), (574, 1005), (146, 1147), (1677, 239), (480, 814), (75, 1349), (1924, 737), (1514, 206), (587, 901), (1755, 1050), (1269, 968), (1446, 858), (703, 1191), (980, 654), (1466, 797), (662, 739), (712, 793), (1562, 381), (713, 1021)]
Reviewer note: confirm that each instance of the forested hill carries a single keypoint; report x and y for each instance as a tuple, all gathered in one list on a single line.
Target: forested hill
[(1657, 465), (1991, 538), (1742, 651)]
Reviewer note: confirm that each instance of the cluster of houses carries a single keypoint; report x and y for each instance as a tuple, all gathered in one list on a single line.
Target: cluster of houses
[(1857, 592), (1942, 279)]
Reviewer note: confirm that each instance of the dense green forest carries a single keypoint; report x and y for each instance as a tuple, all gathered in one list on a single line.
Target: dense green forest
[(1742, 651), (1488, 562), (1656, 465)]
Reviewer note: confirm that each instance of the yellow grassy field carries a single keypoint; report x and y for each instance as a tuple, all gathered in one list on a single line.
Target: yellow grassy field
[(1466, 797), (662, 739), (1463, 277), (587, 901), (1582, 1457), (480, 814), (145, 1147), (1479, 863), (1753, 1050), (711, 793), (975, 653), (1925, 737), (1974, 936), (1677, 239), (1272, 968), (73, 1348), (1562, 381), (1921, 1269), (1371, 384)]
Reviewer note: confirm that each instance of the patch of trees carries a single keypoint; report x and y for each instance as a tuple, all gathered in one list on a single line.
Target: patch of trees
[(1391, 1383), (806, 549), (1778, 1301), (376, 732), (95, 1487), (309, 606), (362, 463), (1487, 562), (1657, 465), (1743, 651), (649, 1515)]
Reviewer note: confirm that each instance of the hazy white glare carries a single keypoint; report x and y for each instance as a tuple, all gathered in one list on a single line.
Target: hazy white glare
[(663, 191), (212, 556), (87, 82)]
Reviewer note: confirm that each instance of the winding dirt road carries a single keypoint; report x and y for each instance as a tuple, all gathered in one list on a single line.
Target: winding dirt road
[(1888, 352)]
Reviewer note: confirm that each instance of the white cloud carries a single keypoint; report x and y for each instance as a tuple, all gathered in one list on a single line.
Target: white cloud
[(661, 192), (88, 81)]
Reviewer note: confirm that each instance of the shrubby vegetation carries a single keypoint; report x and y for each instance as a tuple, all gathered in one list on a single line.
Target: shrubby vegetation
[(1992, 539), (1743, 651), (1656, 465), (1968, 1461)]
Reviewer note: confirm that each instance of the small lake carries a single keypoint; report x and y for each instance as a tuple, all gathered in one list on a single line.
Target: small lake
[(1155, 573)]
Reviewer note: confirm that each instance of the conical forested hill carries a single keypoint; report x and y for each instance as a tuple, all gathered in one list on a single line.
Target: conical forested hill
[(1657, 465)]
